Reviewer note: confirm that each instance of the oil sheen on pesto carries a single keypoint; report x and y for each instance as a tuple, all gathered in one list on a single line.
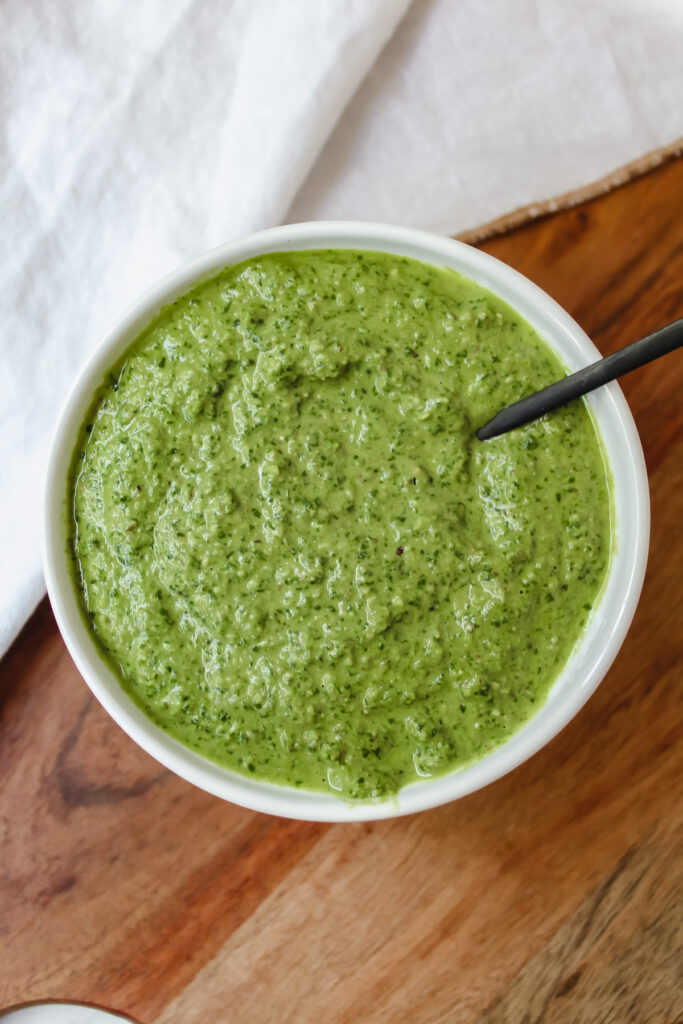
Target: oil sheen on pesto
[(293, 550)]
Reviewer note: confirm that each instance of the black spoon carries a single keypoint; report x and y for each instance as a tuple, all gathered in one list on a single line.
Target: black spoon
[(580, 383)]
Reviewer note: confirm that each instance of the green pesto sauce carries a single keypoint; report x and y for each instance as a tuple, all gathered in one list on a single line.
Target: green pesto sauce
[(290, 545)]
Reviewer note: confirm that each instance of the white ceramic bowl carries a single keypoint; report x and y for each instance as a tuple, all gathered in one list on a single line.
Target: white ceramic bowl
[(608, 623)]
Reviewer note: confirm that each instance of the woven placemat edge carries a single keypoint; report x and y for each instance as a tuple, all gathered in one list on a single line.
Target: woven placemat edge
[(534, 211)]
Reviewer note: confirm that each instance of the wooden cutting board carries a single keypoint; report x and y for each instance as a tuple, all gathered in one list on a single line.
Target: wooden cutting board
[(553, 895)]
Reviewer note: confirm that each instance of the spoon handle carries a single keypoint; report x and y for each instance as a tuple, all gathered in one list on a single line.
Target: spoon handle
[(580, 383)]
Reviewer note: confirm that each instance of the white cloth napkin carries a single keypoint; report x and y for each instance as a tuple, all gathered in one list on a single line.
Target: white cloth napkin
[(137, 134), (478, 107)]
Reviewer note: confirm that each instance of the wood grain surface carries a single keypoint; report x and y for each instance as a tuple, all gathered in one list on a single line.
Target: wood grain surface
[(552, 896)]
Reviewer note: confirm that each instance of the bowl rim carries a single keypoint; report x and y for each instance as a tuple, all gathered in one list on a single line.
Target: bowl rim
[(608, 624)]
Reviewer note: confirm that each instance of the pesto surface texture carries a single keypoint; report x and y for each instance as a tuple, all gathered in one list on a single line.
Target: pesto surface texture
[(290, 545)]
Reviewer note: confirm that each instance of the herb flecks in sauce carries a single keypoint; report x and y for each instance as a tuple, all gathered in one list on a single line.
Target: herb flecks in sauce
[(291, 547)]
